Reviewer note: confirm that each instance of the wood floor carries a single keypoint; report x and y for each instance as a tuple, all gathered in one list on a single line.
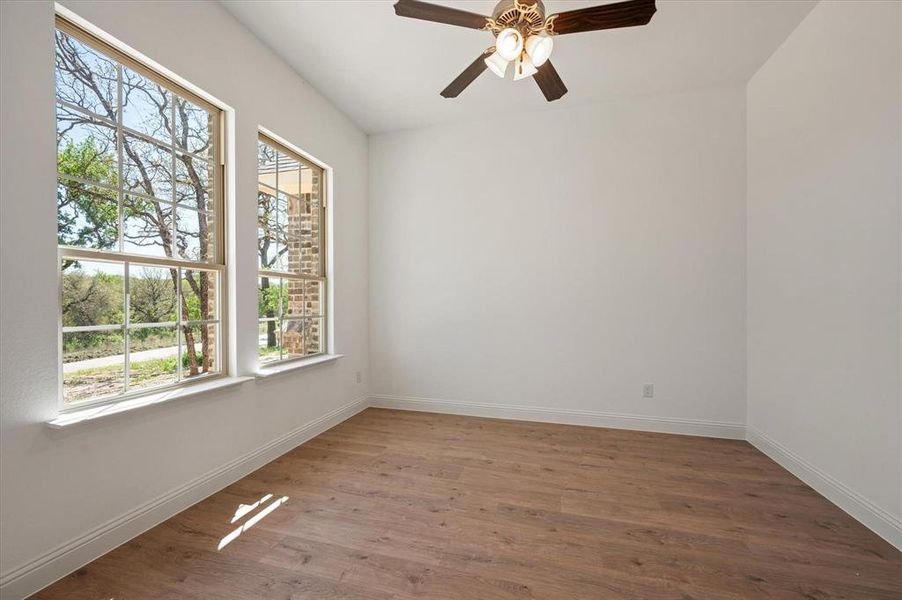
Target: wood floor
[(396, 505)]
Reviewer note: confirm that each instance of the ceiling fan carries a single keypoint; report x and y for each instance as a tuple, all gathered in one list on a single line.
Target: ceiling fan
[(524, 35)]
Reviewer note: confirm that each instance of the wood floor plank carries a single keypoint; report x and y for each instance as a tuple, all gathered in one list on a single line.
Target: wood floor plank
[(395, 505)]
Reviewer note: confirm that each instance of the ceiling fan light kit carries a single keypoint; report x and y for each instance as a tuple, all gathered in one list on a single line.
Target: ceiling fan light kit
[(497, 65), (509, 43), (539, 48), (524, 35)]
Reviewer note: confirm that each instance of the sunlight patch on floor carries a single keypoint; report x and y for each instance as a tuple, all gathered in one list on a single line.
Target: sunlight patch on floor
[(243, 510)]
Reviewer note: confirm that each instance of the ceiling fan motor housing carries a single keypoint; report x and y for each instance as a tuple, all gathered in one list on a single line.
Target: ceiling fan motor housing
[(527, 16)]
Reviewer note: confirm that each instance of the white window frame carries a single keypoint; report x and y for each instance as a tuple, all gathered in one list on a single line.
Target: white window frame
[(217, 262)]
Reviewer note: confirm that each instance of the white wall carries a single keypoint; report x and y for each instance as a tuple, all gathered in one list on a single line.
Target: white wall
[(57, 486), (561, 260), (824, 256)]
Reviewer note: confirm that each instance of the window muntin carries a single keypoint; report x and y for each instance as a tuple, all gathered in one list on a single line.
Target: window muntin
[(290, 254), (139, 225)]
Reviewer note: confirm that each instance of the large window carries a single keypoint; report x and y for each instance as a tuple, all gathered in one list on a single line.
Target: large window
[(290, 254), (140, 223)]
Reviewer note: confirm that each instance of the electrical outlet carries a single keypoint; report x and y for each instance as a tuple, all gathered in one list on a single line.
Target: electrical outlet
[(359, 377), (648, 390)]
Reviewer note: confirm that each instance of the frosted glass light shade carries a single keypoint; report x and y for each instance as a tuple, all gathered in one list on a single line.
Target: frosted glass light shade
[(539, 48), (509, 44), (497, 65), (524, 68)]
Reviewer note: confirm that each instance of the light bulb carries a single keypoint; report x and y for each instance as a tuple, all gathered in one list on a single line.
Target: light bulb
[(497, 65), (509, 43), (524, 68), (539, 48)]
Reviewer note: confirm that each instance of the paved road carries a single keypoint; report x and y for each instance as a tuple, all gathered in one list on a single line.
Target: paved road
[(117, 359)]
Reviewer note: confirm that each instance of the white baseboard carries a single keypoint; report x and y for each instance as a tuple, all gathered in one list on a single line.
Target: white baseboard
[(716, 429), (866, 512), (26, 579)]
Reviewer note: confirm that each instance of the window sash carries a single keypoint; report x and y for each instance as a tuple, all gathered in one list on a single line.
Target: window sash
[(127, 326), (320, 205), (216, 160), (117, 55)]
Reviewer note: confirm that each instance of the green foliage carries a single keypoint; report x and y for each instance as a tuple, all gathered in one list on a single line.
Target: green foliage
[(142, 371), (186, 362), (269, 351), (87, 161), (84, 345), (192, 302), (199, 294), (88, 216), (92, 299), (156, 370), (269, 296)]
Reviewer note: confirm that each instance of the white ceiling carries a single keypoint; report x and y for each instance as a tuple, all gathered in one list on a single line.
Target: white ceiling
[(385, 72)]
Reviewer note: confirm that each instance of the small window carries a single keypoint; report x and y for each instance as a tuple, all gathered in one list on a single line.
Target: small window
[(290, 254), (139, 225)]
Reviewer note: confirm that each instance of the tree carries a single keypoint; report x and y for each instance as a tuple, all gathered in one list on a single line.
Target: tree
[(268, 301), (88, 214), (89, 80), (152, 298), (269, 247), (90, 299)]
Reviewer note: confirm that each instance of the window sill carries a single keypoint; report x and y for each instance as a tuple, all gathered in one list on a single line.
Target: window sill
[(265, 372), (93, 413)]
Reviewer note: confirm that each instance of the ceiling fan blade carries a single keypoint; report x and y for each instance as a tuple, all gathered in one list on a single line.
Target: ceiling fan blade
[(468, 76), (439, 14), (550, 82), (607, 16)]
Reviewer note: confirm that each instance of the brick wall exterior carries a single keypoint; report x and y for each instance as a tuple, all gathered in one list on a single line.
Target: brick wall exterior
[(304, 298)]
